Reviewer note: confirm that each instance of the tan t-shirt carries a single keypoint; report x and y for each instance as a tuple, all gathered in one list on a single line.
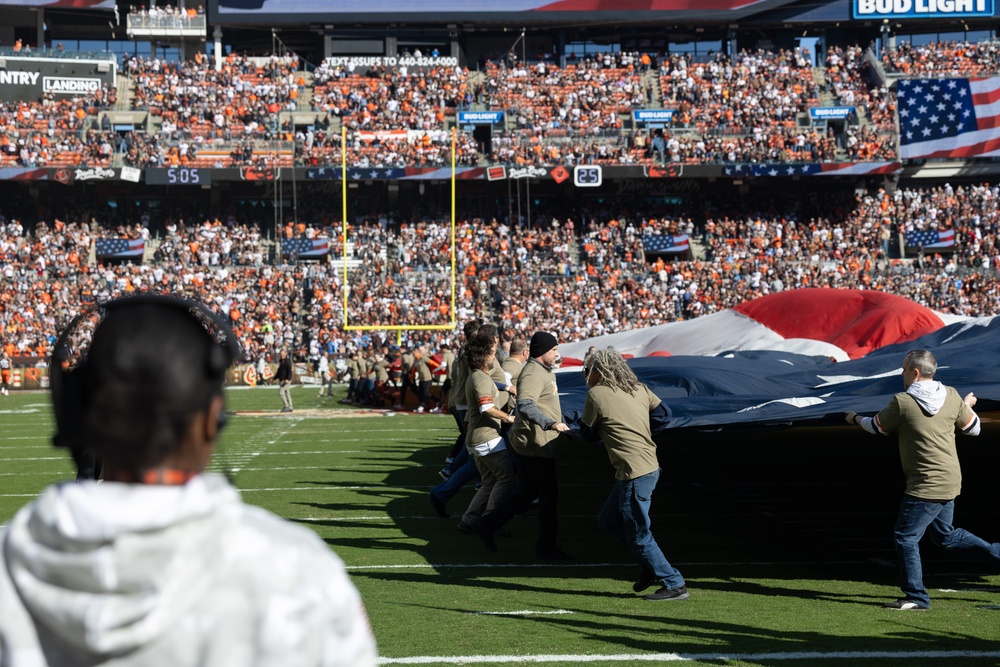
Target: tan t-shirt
[(927, 444), (622, 421), (458, 379), (513, 368), (424, 373), (448, 359), (480, 393), (536, 383), (498, 375)]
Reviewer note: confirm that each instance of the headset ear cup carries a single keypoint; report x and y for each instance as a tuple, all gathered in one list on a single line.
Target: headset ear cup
[(219, 359)]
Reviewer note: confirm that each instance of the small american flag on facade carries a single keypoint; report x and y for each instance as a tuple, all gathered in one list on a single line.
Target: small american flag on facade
[(930, 238), (665, 243), (305, 248), (124, 248)]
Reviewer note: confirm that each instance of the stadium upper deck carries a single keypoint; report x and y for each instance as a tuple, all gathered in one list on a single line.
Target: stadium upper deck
[(532, 86)]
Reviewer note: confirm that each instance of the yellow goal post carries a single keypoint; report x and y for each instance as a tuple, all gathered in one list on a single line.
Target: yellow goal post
[(399, 328)]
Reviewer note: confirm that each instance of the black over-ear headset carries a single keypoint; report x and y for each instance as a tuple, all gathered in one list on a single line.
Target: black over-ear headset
[(69, 363)]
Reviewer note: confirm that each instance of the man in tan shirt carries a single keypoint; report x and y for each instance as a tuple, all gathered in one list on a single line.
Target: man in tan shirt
[(538, 425), (926, 417), (621, 412)]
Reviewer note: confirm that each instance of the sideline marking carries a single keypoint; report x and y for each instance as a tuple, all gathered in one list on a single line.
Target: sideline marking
[(526, 612), (686, 657), (462, 566)]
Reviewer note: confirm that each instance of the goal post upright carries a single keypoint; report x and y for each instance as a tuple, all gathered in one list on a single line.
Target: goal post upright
[(399, 328), (343, 211), (454, 261)]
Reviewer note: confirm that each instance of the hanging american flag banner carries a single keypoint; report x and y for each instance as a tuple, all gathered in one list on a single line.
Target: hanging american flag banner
[(120, 248), (305, 248), (949, 118), (931, 238), (665, 243)]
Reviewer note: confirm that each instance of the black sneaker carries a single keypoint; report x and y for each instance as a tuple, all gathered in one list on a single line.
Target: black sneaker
[(484, 533), (669, 594), (906, 604), (465, 528), (438, 506), (646, 579)]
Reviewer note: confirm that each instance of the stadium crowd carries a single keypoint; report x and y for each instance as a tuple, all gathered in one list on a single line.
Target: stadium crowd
[(55, 132), (751, 106), (582, 275), (943, 59)]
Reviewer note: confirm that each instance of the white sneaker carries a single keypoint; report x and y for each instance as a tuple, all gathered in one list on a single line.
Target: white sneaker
[(419, 409), (905, 604), (436, 411)]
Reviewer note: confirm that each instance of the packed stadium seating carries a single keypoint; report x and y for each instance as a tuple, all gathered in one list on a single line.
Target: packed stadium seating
[(944, 59), (581, 275), (748, 107)]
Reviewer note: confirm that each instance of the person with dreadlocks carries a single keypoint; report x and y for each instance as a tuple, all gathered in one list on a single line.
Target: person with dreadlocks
[(623, 413)]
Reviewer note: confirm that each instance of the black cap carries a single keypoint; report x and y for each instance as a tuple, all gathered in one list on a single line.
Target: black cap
[(541, 342)]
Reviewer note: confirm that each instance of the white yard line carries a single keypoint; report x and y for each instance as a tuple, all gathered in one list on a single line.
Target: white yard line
[(524, 612), (689, 657)]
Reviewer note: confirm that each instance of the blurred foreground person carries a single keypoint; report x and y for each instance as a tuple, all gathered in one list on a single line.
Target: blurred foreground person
[(926, 416), (624, 413), (162, 564)]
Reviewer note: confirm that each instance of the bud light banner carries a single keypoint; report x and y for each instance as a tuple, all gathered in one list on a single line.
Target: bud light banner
[(834, 113), (480, 117), (653, 115), (28, 79), (922, 9)]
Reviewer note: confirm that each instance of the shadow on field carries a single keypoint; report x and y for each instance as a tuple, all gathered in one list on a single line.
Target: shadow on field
[(813, 502), (652, 633), (804, 503)]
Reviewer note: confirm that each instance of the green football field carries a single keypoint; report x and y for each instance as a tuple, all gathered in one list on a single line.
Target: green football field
[(784, 539)]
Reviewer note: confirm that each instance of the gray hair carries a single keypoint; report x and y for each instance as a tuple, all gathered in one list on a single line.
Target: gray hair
[(923, 361), (612, 371)]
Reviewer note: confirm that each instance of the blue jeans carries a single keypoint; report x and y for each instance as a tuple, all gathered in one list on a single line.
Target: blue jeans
[(625, 517), (460, 476), (916, 517)]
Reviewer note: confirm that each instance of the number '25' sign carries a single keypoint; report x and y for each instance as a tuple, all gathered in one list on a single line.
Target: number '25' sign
[(587, 176)]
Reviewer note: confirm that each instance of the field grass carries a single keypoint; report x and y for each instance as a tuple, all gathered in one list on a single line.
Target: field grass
[(784, 539)]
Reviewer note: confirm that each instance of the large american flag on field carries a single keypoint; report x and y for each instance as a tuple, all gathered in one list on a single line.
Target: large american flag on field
[(949, 118), (124, 248), (931, 238), (665, 243), (305, 248)]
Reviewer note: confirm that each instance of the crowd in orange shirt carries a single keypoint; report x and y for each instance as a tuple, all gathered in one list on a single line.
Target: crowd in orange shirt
[(196, 101), (582, 274), (944, 59)]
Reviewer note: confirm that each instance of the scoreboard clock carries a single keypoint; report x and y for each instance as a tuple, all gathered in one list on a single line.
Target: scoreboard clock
[(179, 176)]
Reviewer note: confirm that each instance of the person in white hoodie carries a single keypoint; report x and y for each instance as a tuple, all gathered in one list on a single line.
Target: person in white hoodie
[(926, 416), (162, 563)]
